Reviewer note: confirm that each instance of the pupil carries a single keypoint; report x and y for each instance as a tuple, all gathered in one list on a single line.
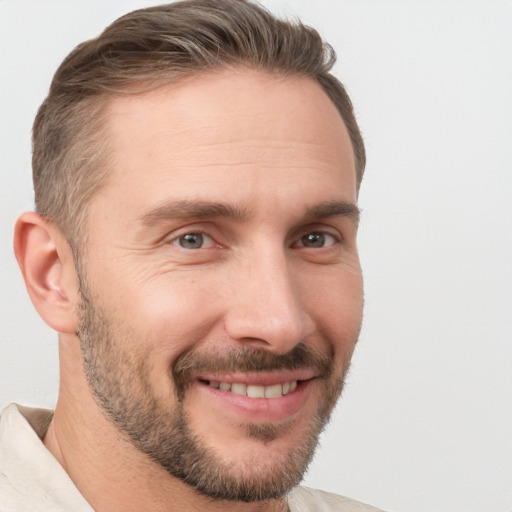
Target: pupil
[(191, 241), (314, 240)]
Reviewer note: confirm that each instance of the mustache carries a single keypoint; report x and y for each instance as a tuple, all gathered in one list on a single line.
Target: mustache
[(242, 359)]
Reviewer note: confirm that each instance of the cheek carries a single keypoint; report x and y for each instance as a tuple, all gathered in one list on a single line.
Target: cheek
[(334, 288), (335, 302), (168, 314)]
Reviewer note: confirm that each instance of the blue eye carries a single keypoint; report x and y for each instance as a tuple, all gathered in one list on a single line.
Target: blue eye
[(316, 240), (193, 241)]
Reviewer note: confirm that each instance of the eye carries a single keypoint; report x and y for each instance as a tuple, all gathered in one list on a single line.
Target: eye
[(316, 240), (194, 241)]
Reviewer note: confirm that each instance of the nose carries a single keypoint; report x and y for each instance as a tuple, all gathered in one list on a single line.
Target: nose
[(267, 309)]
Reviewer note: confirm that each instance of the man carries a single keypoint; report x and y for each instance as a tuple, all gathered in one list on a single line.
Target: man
[(196, 171)]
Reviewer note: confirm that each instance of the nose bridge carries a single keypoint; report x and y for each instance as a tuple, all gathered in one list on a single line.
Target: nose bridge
[(267, 306)]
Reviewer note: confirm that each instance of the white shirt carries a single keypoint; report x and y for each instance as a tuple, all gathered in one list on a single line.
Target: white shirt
[(32, 480)]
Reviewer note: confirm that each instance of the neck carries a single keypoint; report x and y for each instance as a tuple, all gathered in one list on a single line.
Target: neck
[(111, 473)]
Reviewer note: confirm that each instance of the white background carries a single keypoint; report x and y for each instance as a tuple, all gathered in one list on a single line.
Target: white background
[(426, 420)]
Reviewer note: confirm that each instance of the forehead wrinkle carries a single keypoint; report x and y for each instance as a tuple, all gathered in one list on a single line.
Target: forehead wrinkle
[(187, 209)]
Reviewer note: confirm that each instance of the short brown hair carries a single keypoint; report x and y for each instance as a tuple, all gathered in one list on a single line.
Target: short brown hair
[(147, 48)]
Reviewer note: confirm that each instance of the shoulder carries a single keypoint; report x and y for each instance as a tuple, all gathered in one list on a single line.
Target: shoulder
[(304, 499), (30, 477)]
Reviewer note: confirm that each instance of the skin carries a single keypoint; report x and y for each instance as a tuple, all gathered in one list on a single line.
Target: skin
[(273, 152)]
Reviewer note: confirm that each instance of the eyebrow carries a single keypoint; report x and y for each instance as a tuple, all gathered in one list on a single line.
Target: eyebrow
[(339, 208), (186, 209)]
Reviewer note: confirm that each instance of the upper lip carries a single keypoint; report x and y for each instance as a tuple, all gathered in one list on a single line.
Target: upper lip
[(260, 378)]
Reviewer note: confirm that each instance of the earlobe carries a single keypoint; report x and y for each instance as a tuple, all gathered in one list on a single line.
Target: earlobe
[(46, 262)]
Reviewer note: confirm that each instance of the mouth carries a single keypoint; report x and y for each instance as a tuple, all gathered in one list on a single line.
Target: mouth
[(253, 390), (259, 397)]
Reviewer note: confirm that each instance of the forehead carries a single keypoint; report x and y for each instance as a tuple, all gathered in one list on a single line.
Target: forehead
[(208, 132)]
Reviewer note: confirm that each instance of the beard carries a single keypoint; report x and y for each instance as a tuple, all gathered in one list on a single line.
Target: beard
[(159, 426)]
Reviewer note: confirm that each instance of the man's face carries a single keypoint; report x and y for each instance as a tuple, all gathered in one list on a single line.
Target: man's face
[(222, 291)]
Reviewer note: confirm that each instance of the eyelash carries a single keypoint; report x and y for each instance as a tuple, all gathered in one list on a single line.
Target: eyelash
[(317, 233), (176, 241)]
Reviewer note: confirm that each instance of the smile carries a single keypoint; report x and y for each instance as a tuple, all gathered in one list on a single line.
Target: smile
[(260, 397), (253, 391)]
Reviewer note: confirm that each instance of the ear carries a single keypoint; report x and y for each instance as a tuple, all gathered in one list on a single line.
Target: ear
[(46, 262)]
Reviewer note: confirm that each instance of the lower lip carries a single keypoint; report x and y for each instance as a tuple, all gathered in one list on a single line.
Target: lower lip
[(259, 410)]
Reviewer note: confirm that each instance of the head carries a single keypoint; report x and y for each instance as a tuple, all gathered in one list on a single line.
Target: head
[(203, 165)]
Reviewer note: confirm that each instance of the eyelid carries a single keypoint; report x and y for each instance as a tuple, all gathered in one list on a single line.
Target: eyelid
[(208, 239), (316, 228), (300, 243)]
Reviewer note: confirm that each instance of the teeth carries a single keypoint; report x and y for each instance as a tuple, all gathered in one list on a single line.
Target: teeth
[(239, 389), (255, 391), (274, 391)]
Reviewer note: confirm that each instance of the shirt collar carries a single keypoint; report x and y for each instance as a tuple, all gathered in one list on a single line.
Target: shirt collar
[(30, 477)]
